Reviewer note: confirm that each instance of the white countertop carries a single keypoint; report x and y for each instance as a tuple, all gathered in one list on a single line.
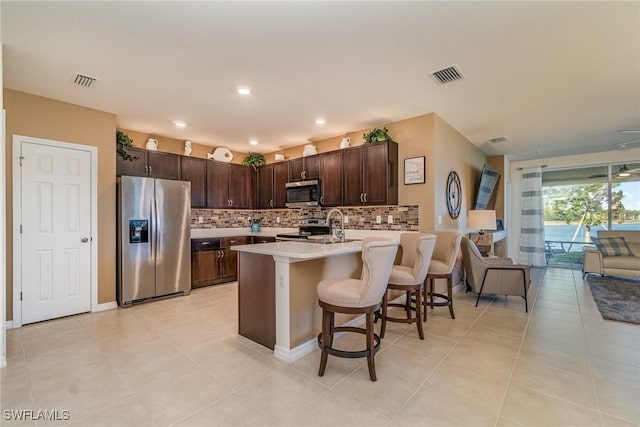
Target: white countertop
[(301, 250), (207, 233)]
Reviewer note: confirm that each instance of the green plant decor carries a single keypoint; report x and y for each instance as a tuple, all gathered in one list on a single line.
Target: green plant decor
[(254, 160), (123, 140), (376, 135)]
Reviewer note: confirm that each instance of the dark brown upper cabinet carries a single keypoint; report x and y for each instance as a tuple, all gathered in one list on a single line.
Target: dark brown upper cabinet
[(331, 178), (271, 182), (280, 179), (194, 170), (153, 164), (229, 185), (370, 173), (304, 168), (264, 187)]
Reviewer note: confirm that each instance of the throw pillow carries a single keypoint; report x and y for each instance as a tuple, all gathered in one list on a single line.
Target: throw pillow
[(613, 246)]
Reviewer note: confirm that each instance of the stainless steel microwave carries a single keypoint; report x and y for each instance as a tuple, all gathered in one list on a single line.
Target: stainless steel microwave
[(303, 193)]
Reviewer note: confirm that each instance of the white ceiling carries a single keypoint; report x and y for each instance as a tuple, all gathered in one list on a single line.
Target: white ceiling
[(555, 78)]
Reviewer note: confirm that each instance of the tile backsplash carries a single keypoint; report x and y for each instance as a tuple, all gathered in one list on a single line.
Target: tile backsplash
[(405, 217)]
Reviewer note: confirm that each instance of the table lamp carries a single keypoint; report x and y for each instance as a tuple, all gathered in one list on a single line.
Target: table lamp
[(481, 219)]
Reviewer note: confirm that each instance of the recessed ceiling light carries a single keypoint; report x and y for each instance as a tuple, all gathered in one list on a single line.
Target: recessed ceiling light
[(320, 121), (179, 124), (243, 90), (253, 142)]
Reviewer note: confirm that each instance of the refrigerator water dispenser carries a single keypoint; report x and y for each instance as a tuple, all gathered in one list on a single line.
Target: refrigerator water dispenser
[(138, 231)]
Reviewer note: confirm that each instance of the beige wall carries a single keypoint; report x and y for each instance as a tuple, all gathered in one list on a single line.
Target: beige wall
[(454, 152), (39, 117), (176, 146)]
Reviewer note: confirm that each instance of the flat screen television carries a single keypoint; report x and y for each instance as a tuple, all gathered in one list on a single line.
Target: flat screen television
[(488, 182)]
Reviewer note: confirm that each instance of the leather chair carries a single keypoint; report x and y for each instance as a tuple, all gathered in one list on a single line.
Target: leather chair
[(356, 296), (409, 276), (442, 263), (498, 276)]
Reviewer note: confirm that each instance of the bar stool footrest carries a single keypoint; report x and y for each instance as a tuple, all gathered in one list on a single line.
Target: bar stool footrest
[(448, 299), (402, 320), (346, 353)]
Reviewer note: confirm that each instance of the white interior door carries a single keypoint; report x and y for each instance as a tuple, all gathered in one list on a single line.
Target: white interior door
[(56, 231)]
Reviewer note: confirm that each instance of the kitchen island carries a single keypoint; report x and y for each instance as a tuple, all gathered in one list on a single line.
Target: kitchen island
[(277, 299)]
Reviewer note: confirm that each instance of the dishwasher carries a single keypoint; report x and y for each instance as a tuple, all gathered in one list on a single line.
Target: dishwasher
[(205, 264)]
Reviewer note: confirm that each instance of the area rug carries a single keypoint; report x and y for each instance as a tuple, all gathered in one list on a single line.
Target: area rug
[(616, 298)]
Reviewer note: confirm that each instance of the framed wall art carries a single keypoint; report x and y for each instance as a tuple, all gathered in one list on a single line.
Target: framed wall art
[(414, 170)]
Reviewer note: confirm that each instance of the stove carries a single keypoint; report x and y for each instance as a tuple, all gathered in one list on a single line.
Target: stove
[(308, 227)]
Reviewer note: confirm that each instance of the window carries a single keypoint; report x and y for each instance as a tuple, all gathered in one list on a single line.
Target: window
[(580, 201)]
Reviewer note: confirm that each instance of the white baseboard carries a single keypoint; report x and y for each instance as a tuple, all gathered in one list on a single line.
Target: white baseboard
[(302, 350), (104, 306), (100, 307), (295, 353)]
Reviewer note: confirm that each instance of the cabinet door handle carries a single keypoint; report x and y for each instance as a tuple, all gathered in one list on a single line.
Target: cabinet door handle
[(365, 197), (271, 203), (222, 254), (150, 170), (303, 174), (321, 200), (362, 197), (231, 202)]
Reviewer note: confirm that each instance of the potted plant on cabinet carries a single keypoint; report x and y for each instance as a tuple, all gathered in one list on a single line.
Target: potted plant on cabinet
[(254, 160), (376, 135), (122, 141)]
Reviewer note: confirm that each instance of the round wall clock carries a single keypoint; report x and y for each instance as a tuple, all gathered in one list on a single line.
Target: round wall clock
[(454, 194)]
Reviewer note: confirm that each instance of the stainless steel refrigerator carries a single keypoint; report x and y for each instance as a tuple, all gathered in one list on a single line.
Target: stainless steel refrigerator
[(154, 238)]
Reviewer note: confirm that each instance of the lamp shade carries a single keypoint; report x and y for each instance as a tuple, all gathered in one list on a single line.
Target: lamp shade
[(481, 220)]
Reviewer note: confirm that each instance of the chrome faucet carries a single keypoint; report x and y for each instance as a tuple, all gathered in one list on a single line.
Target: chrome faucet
[(339, 233)]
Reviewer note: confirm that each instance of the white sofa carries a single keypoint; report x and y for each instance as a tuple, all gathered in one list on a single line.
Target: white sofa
[(629, 266)]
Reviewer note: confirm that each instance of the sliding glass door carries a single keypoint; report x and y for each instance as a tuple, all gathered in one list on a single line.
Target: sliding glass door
[(580, 201)]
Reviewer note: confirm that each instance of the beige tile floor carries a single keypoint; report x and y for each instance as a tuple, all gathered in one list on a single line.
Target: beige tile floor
[(180, 362)]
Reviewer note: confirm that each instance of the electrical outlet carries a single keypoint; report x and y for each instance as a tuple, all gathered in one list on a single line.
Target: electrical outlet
[(379, 219), (346, 219), (390, 219), (439, 219), (278, 219), (200, 220)]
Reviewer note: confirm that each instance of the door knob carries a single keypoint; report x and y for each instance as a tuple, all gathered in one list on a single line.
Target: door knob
[(84, 240)]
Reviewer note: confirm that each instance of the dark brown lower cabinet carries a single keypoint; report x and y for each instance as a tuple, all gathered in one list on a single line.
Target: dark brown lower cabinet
[(213, 261), (257, 298)]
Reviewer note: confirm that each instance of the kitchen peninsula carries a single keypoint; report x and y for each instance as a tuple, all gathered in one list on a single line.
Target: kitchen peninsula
[(277, 299)]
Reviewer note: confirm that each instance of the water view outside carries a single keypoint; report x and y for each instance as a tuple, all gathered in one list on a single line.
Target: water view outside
[(576, 206), (564, 243)]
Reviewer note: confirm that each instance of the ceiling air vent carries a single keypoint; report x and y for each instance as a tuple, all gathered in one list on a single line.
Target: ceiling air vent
[(448, 75), (83, 80), (498, 139)]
